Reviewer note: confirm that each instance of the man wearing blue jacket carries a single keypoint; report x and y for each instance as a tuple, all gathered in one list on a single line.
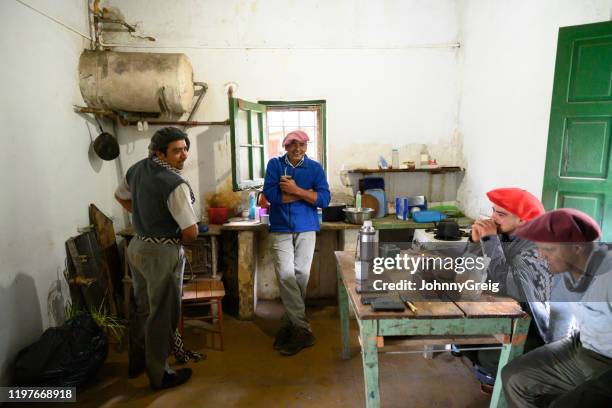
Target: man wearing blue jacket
[(295, 186)]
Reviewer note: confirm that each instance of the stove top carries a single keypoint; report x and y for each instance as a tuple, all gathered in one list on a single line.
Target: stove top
[(429, 235)]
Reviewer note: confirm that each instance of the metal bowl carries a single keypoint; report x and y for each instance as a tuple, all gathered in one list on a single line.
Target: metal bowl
[(358, 215)]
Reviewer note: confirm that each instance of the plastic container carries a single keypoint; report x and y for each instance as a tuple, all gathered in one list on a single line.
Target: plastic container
[(218, 215), (381, 197), (320, 215), (398, 208), (395, 159), (428, 216), (251, 205)]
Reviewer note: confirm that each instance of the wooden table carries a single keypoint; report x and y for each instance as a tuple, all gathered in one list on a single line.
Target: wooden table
[(437, 320)]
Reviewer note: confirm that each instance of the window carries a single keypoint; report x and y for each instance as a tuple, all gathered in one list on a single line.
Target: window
[(247, 127), (274, 120)]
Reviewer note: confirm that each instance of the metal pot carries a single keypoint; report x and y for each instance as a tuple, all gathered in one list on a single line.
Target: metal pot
[(447, 229), (106, 146), (333, 213), (358, 215)]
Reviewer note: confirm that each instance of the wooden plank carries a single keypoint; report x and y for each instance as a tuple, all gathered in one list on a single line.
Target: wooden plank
[(369, 355), (128, 232), (343, 305), (444, 327), (509, 352), (436, 170), (488, 305), (396, 343), (110, 264)]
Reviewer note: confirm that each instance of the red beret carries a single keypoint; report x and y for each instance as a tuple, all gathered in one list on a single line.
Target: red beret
[(562, 225), (295, 136), (519, 202)]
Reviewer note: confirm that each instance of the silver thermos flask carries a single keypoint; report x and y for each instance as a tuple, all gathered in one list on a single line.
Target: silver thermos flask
[(367, 251)]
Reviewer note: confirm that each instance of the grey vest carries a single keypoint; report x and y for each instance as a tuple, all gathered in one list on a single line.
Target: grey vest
[(151, 185)]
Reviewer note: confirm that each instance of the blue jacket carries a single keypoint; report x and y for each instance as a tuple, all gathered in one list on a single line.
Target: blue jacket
[(298, 216)]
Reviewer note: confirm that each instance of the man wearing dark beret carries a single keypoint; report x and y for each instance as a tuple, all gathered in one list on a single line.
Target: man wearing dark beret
[(161, 203), (580, 365)]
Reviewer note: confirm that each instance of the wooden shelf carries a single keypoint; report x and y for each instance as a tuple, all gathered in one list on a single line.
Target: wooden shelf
[(437, 170)]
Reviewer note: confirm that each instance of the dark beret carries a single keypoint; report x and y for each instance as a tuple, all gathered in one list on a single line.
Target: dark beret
[(562, 225)]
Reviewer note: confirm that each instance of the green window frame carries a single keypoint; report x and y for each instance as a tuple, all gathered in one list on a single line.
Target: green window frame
[(249, 158), (320, 106), (249, 138)]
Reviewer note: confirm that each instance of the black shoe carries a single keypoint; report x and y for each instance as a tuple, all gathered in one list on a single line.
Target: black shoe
[(172, 380), (300, 339), (282, 337)]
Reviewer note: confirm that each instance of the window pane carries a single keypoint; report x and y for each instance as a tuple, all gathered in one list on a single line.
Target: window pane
[(258, 165), (241, 127), (312, 143), (310, 131), (275, 118), (291, 118), (275, 138), (244, 164), (254, 128), (307, 118)]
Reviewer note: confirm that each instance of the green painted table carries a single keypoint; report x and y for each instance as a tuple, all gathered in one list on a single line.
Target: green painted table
[(491, 320)]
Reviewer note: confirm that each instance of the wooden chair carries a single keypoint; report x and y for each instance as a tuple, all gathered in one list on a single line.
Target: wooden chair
[(205, 292)]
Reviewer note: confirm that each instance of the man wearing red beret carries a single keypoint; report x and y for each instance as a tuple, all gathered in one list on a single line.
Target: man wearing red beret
[(514, 263), (577, 369)]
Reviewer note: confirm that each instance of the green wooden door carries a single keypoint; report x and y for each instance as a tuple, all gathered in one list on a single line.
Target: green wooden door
[(578, 166)]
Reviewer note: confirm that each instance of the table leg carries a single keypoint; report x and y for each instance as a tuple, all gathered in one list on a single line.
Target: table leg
[(343, 308), (510, 350), (213, 255), (369, 353), (246, 274)]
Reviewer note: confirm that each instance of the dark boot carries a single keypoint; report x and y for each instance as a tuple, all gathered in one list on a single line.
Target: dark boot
[(300, 339), (172, 380), (282, 337)]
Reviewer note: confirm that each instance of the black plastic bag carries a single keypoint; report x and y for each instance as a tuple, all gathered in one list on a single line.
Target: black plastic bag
[(65, 356)]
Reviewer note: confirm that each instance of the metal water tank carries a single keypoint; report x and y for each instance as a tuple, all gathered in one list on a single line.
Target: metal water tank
[(136, 82)]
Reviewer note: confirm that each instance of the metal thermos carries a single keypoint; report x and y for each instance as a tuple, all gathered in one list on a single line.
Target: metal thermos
[(367, 250)]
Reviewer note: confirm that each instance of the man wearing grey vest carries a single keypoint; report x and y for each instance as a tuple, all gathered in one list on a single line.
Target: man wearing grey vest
[(160, 201)]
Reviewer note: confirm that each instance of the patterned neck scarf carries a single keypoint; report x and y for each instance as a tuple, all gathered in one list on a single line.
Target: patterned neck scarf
[(168, 167)]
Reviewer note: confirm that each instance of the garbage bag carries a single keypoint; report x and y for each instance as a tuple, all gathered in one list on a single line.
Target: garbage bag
[(65, 356)]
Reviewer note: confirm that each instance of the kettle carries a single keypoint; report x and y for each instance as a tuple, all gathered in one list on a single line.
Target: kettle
[(367, 250)]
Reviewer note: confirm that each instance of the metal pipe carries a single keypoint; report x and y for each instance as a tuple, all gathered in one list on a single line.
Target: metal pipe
[(190, 123), (198, 101)]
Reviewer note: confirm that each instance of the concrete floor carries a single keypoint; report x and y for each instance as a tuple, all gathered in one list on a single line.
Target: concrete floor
[(249, 373)]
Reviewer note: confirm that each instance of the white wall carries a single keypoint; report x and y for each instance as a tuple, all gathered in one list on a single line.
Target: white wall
[(509, 51), (377, 64), (48, 173)]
